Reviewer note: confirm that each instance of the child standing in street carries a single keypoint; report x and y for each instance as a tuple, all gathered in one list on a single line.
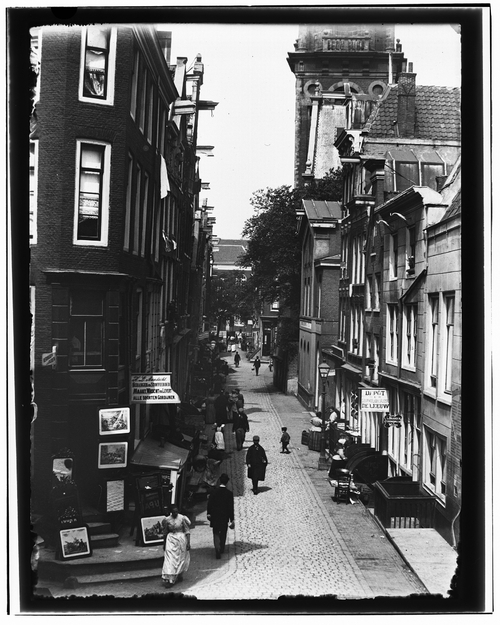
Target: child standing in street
[(285, 440)]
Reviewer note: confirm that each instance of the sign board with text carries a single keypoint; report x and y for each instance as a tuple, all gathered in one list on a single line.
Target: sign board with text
[(152, 388), (373, 399)]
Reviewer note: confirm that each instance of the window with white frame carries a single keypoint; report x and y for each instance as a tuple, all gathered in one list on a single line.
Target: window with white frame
[(376, 303), (435, 463), (134, 86), (144, 93), (137, 210), (145, 200), (98, 58), (410, 250), (433, 340), (410, 336), (376, 357), (368, 292), (449, 306), (33, 185), (93, 161), (391, 348), (128, 204), (393, 256)]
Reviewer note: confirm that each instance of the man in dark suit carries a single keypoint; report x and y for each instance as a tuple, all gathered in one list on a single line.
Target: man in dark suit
[(256, 462), (220, 513)]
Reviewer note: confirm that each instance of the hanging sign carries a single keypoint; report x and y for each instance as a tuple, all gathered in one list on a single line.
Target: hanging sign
[(50, 358), (392, 420), (373, 399), (152, 388)]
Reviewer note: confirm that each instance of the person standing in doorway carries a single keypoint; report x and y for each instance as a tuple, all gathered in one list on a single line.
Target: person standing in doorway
[(220, 513), (256, 462), (256, 365)]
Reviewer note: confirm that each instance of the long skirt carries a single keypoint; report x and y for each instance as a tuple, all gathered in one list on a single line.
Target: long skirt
[(240, 438), (177, 557)]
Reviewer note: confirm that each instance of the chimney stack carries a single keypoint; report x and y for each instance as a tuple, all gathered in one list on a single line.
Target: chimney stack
[(406, 103), (165, 39)]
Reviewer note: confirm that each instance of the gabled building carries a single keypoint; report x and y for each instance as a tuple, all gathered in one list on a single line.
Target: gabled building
[(114, 256), (319, 232), (395, 163)]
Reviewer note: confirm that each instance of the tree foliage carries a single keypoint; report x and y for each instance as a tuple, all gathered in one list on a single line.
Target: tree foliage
[(229, 298), (274, 252)]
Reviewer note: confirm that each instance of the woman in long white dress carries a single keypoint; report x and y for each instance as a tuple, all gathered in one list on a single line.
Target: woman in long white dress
[(177, 546)]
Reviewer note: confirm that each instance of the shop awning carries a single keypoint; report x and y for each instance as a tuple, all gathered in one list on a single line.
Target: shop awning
[(150, 454), (351, 369)]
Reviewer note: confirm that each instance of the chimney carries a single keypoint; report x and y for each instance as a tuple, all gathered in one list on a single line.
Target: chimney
[(406, 103)]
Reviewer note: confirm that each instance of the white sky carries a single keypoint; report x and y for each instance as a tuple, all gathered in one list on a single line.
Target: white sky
[(252, 128)]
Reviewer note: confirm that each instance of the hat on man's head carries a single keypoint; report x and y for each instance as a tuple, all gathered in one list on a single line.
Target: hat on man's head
[(256, 438), (224, 478)]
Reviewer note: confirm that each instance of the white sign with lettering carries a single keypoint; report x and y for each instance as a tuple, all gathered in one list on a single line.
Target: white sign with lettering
[(152, 388), (373, 399)]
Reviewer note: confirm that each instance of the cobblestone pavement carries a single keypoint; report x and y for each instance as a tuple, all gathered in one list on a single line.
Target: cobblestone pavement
[(290, 539)]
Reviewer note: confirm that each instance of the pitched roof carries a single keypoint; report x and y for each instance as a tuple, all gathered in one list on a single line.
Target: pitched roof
[(437, 114), (455, 208), (227, 251), (322, 209)]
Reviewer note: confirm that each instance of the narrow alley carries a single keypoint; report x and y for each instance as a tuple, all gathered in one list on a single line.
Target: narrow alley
[(292, 538)]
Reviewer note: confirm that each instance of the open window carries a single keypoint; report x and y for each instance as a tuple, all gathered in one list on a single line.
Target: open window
[(97, 74)]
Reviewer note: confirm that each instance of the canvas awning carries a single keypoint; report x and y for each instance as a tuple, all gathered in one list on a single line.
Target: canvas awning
[(150, 454)]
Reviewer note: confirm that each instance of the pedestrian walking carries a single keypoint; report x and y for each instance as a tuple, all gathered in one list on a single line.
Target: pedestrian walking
[(256, 462), (240, 428), (256, 365), (220, 513), (237, 359), (285, 441), (240, 400), (176, 545)]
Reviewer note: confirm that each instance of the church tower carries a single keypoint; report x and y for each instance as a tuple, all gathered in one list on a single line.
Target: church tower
[(335, 61)]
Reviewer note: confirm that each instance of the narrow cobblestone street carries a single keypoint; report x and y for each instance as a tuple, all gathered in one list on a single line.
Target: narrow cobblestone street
[(291, 539)]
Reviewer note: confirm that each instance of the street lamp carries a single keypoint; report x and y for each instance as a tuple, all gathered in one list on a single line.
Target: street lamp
[(324, 371)]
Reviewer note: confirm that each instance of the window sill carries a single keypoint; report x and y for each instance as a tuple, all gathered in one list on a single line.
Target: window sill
[(430, 392), (444, 399), (409, 368), (440, 499)]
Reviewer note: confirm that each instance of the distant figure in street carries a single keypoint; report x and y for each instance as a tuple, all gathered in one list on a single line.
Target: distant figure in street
[(256, 462), (177, 544), (240, 428), (237, 359), (240, 400), (256, 365), (220, 404), (285, 440), (220, 513)]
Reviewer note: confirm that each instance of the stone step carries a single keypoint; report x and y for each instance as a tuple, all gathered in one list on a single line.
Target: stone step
[(99, 528), (116, 576), (100, 541)]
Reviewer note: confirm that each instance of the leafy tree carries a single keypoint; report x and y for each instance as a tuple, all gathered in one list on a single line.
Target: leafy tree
[(229, 298), (274, 251)]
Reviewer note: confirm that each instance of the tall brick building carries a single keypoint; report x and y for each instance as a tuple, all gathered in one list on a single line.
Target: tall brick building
[(118, 239)]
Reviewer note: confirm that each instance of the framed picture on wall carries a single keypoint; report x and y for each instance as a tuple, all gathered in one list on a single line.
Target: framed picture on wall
[(152, 533), (114, 421), (75, 542), (112, 455)]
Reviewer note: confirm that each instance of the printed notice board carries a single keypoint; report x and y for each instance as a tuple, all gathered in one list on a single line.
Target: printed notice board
[(152, 388)]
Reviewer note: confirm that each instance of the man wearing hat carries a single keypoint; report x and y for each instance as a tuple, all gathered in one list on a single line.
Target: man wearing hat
[(220, 513), (256, 462)]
